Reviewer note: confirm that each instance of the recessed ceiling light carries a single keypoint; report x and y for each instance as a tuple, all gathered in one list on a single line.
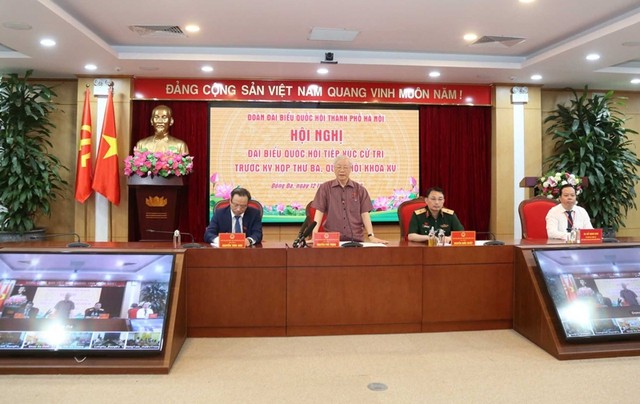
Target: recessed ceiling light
[(192, 28), (526, 1), (635, 81), (536, 77), (322, 70), (593, 56), (206, 69), (48, 42), (90, 66), (470, 37), (434, 74)]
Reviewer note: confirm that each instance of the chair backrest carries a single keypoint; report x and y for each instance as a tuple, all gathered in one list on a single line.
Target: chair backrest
[(532, 216), (311, 212), (225, 202), (405, 210)]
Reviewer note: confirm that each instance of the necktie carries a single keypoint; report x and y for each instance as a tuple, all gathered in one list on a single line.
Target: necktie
[(237, 228), (569, 220)]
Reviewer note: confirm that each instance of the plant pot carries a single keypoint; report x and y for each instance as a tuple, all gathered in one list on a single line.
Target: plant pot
[(11, 237)]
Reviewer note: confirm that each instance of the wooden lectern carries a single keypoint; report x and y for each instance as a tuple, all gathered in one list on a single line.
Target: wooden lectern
[(157, 205)]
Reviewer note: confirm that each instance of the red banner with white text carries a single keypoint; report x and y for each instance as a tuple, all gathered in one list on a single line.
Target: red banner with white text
[(362, 92)]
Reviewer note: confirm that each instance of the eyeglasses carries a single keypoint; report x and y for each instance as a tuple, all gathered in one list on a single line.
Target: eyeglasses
[(436, 199), (340, 168), (238, 206)]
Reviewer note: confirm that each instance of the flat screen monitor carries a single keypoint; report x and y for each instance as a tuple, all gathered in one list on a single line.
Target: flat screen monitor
[(594, 291), (84, 303)]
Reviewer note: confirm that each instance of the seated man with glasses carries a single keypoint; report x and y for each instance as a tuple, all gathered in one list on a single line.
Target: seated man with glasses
[(433, 216), (238, 217)]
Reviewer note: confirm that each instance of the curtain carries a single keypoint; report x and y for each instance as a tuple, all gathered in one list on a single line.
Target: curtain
[(455, 154)]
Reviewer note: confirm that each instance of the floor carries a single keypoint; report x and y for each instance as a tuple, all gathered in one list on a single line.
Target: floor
[(461, 367)]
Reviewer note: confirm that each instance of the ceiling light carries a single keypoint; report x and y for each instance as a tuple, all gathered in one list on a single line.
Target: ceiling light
[(206, 69), (90, 66), (48, 42), (635, 81), (434, 74), (18, 26), (192, 28), (536, 77), (470, 37), (322, 70), (332, 34), (593, 56), (526, 1)]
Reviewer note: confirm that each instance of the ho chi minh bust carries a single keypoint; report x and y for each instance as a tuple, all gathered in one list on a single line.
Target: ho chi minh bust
[(162, 141)]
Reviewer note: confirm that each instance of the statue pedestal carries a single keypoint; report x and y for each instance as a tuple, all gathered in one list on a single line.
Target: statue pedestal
[(157, 206)]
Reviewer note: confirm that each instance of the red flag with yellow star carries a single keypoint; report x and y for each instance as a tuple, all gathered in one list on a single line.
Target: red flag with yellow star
[(83, 166), (106, 178)]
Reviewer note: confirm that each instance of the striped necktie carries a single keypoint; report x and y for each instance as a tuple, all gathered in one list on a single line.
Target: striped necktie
[(569, 220)]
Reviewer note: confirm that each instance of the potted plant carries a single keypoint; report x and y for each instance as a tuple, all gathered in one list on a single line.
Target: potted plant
[(591, 141), (29, 174)]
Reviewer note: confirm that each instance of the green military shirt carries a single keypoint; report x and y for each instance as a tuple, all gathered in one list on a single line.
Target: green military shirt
[(422, 222)]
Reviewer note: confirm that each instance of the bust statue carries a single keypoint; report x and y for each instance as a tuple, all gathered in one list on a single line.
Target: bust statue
[(162, 141)]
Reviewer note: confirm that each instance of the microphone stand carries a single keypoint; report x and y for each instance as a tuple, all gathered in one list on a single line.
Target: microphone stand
[(74, 244), (192, 244)]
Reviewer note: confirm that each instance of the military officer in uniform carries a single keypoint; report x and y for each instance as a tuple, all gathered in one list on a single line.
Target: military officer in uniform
[(435, 216)]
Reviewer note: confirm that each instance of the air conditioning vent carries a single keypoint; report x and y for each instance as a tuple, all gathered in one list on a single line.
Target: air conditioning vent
[(158, 30), (497, 41)]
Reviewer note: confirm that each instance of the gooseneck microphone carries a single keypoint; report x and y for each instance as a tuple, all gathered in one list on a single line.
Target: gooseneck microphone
[(351, 243), (492, 240), (74, 244), (192, 244), (301, 241), (299, 237)]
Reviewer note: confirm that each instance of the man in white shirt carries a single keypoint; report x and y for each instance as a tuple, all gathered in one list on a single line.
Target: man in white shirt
[(145, 311), (567, 215)]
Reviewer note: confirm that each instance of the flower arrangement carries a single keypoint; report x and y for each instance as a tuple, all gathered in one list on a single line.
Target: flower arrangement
[(550, 184), (162, 164)]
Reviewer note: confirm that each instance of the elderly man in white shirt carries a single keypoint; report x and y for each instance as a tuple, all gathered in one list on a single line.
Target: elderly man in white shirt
[(567, 215)]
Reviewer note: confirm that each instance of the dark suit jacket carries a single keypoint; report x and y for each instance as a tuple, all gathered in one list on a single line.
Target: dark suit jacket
[(221, 223)]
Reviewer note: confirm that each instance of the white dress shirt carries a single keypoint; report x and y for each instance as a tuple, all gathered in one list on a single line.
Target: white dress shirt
[(557, 221)]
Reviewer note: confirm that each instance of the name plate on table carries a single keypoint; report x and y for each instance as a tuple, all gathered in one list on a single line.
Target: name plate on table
[(231, 240), (590, 235), (463, 237), (326, 240)]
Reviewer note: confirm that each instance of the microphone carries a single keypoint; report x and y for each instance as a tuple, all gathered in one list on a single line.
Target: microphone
[(299, 238), (74, 244), (492, 237), (192, 244)]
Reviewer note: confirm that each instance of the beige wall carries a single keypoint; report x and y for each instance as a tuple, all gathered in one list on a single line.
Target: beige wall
[(67, 119), (502, 152)]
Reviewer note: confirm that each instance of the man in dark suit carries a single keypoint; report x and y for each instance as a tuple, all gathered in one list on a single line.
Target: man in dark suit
[(238, 217)]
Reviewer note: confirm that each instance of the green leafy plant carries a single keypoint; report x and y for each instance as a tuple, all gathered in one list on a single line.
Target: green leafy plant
[(155, 293), (29, 174), (591, 141)]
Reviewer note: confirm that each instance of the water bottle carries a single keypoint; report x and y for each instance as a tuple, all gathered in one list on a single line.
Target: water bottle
[(177, 239)]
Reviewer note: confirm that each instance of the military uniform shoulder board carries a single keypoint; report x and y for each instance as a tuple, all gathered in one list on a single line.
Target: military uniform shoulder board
[(447, 211), (420, 211)]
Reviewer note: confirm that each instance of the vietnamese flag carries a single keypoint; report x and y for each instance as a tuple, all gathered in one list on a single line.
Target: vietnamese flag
[(83, 166), (106, 179)]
